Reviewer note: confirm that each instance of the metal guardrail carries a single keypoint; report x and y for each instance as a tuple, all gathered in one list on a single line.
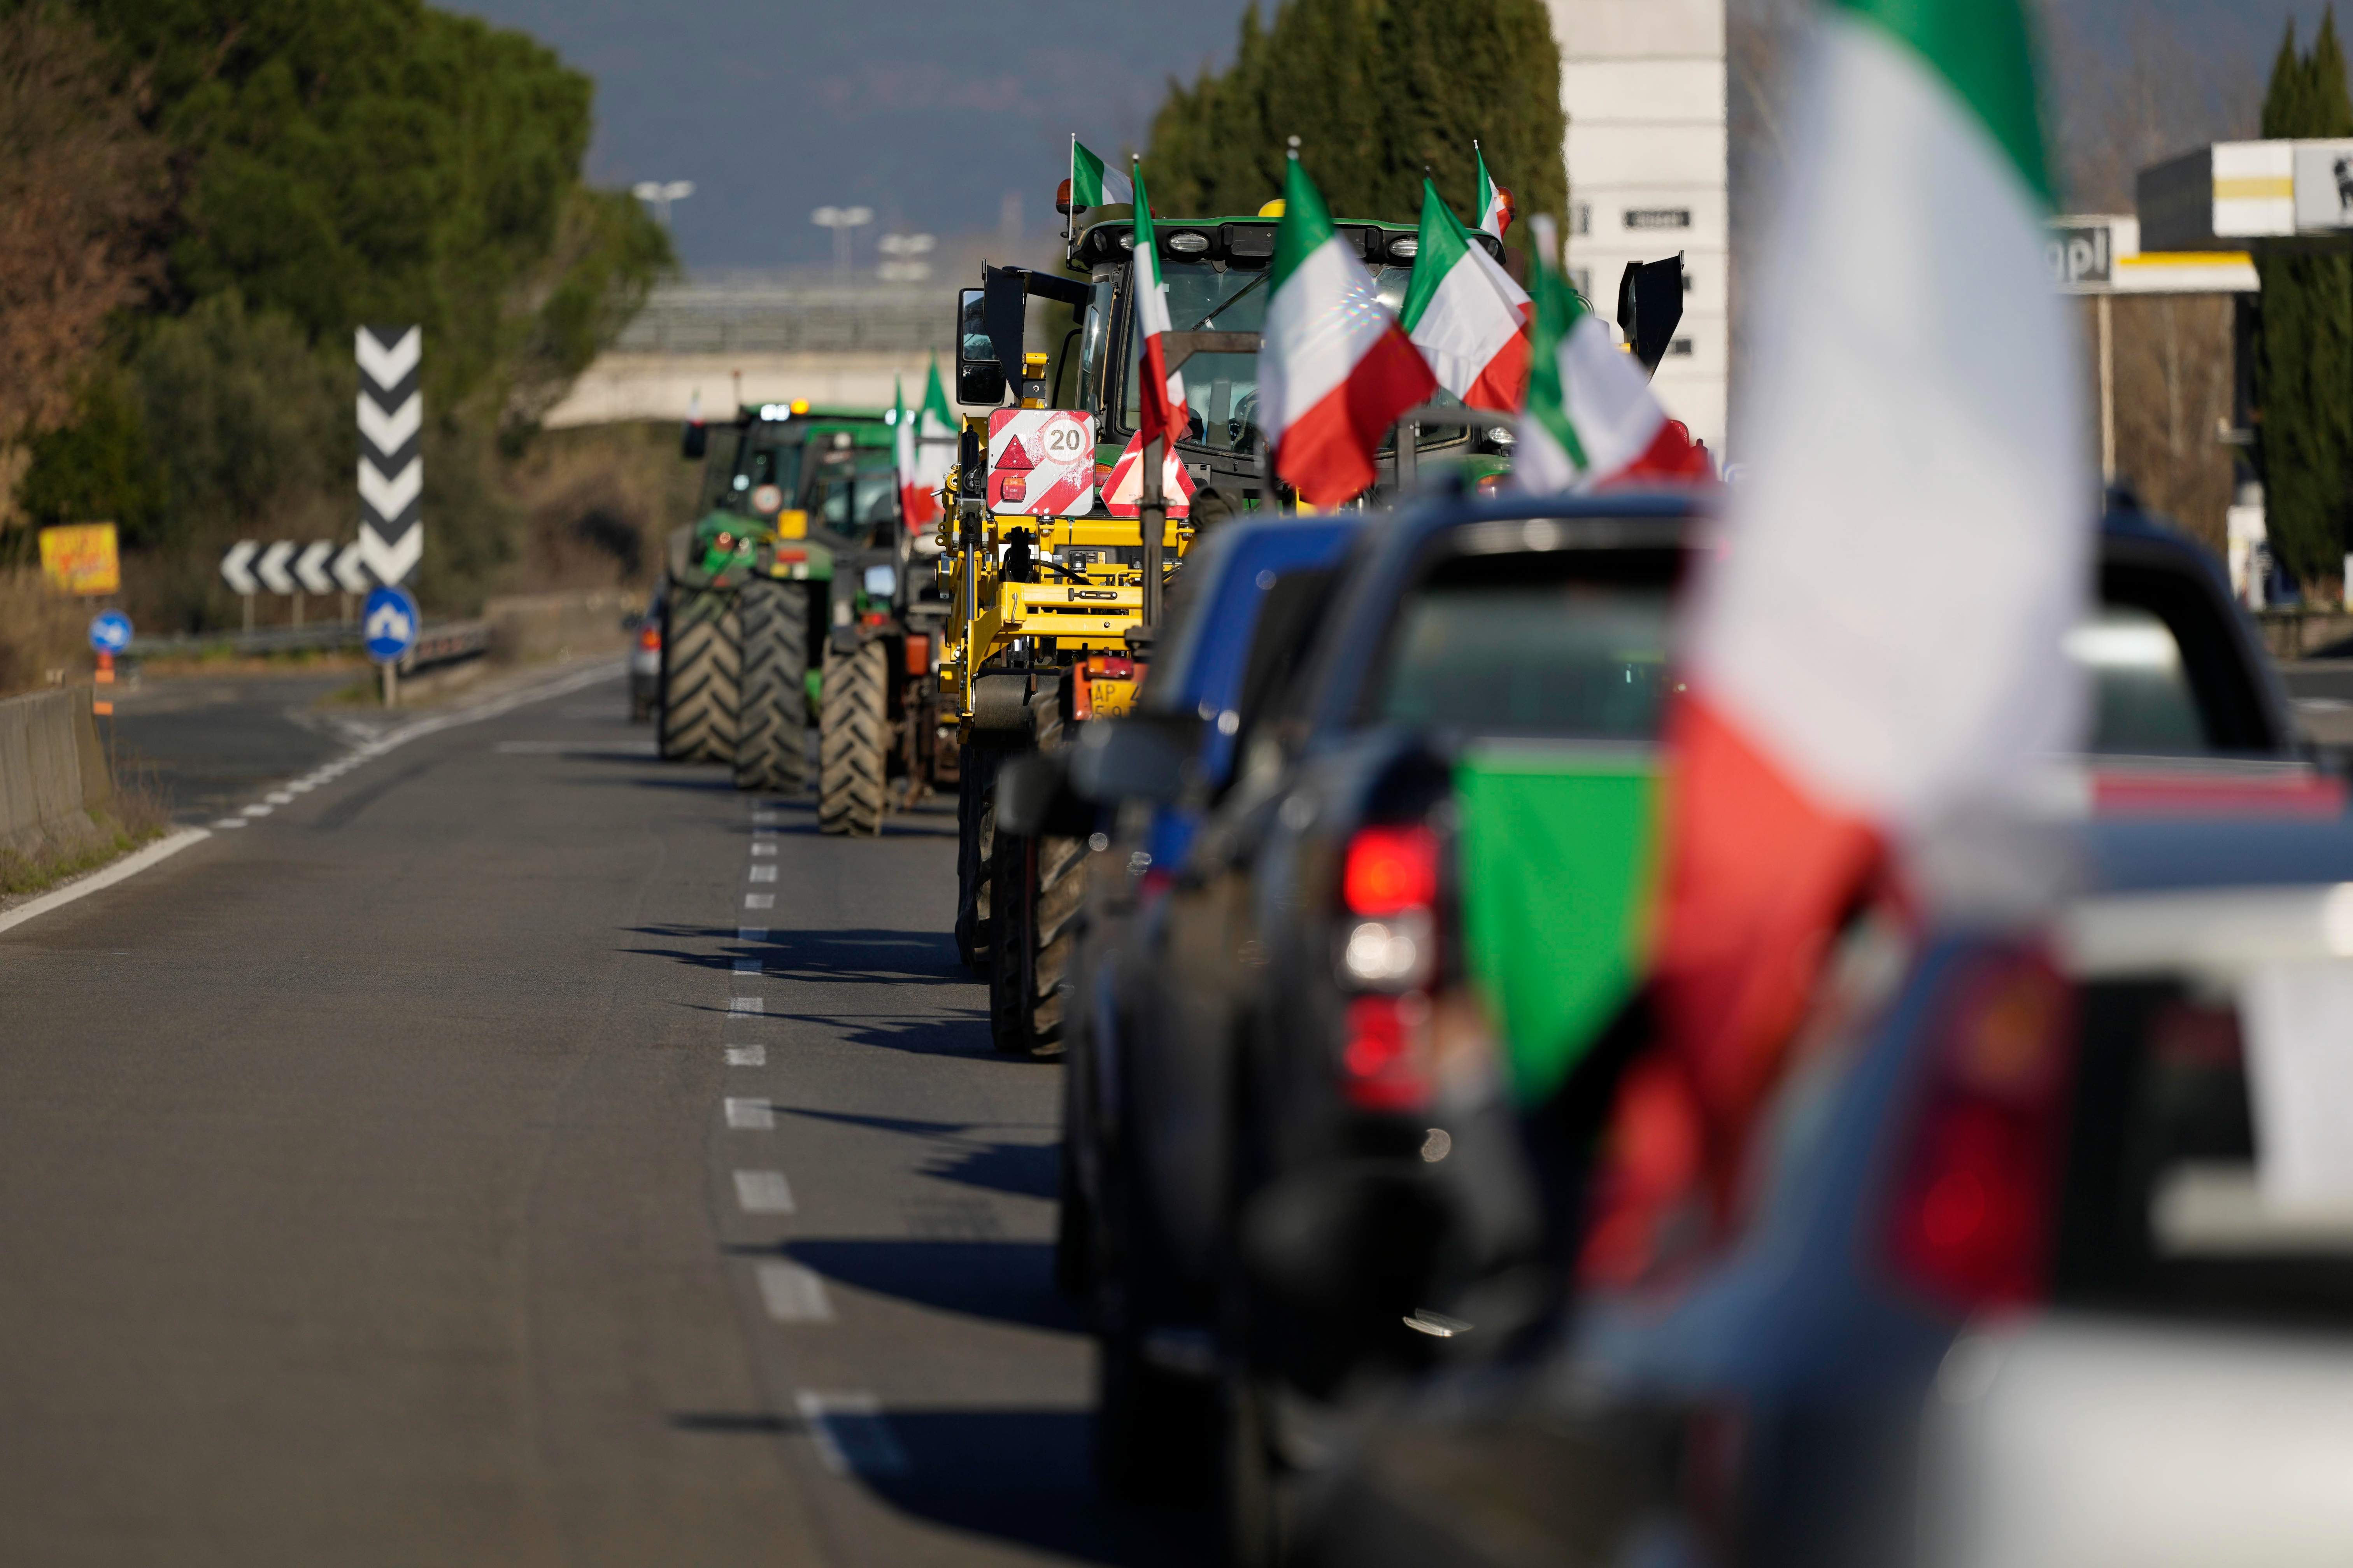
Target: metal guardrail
[(446, 643)]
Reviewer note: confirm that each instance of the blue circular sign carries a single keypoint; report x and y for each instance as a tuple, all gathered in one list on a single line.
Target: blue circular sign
[(110, 631), (389, 622)]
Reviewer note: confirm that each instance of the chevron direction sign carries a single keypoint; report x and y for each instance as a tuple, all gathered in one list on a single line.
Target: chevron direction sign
[(282, 566), (391, 471)]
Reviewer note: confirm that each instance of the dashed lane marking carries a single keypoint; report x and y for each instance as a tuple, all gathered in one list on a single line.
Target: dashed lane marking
[(763, 873), (746, 1004), (851, 1435), (231, 822), (759, 901), (751, 933), (751, 1115), (279, 797), (764, 850), (763, 1191), (794, 1294), (259, 810), (748, 1056), (763, 818), (747, 966)]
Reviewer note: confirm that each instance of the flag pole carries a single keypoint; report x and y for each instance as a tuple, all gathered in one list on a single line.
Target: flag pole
[(1071, 218), (1152, 507)]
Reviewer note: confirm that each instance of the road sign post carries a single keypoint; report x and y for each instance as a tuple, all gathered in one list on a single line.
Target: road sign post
[(110, 633), (389, 622)]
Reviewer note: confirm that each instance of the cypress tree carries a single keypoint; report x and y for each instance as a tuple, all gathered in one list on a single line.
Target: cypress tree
[(2304, 355), (1376, 91)]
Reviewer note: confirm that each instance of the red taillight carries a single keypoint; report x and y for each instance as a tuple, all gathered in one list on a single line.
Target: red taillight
[(1384, 1065), (1389, 870), (919, 655), (649, 638), (1972, 1218)]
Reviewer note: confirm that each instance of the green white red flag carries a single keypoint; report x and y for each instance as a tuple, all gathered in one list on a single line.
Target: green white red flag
[(1161, 394), (1917, 485), (1591, 418), (1494, 202), (1094, 183), (1464, 313), (1335, 368), (923, 463)]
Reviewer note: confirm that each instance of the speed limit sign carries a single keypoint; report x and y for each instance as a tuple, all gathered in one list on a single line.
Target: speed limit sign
[(1042, 462)]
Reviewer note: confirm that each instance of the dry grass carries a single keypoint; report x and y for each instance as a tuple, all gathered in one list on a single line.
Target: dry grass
[(135, 816), (598, 501), (40, 633)]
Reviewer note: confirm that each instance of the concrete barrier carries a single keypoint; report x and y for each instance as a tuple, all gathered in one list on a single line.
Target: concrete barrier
[(537, 628), (53, 772)]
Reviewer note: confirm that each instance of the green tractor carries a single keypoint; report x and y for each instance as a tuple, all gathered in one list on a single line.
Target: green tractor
[(796, 599)]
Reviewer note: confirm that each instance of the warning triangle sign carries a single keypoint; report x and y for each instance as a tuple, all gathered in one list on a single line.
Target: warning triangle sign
[(1015, 460)]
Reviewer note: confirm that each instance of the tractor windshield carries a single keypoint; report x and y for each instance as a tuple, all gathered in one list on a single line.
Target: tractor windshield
[(855, 497), (1221, 390)]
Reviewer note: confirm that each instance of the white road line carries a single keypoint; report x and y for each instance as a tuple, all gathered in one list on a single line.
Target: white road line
[(759, 901), (279, 797), (763, 1191), (302, 786), (751, 1115), (746, 1004), (747, 966), (794, 1294), (764, 850), (764, 833), (751, 933), (129, 866), (762, 819), (850, 1433), (259, 810), (231, 822), (763, 873), (748, 1056)]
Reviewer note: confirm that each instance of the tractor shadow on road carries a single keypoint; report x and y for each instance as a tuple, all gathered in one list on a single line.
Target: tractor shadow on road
[(1007, 1282), (869, 954), (1023, 1475), (961, 1154)]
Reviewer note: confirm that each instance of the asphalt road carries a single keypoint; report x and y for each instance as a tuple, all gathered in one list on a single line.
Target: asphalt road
[(454, 1167), (206, 743)]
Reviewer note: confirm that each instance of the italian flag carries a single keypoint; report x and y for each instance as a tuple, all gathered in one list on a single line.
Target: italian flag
[(1335, 369), (1591, 418), (1877, 658), (1494, 202), (1091, 183), (1464, 313), (1161, 396), (923, 467)]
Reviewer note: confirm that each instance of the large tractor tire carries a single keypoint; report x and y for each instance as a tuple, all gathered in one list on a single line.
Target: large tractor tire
[(701, 657), (772, 724), (1038, 890), (853, 740)]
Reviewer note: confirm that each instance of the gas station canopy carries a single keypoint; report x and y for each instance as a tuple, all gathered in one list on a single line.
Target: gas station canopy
[(2233, 194)]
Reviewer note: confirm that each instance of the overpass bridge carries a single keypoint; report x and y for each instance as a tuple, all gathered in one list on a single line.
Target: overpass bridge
[(762, 339)]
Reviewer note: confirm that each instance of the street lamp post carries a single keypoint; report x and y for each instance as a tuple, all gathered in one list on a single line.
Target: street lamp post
[(904, 252), (660, 194), (842, 220)]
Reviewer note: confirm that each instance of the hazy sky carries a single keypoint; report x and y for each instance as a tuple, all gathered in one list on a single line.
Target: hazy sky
[(927, 111), (931, 110)]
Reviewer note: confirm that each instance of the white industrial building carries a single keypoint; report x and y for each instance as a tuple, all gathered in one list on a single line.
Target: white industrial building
[(1643, 84)]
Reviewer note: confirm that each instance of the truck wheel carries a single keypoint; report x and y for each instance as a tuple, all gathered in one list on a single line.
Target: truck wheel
[(772, 726), (852, 730), (701, 657)]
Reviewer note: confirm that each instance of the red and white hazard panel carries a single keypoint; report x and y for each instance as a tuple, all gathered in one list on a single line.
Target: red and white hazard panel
[(1123, 490), (1042, 462)]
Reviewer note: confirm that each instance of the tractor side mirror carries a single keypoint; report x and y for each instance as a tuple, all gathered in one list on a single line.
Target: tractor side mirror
[(980, 378), (695, 441), (1145, 756)]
